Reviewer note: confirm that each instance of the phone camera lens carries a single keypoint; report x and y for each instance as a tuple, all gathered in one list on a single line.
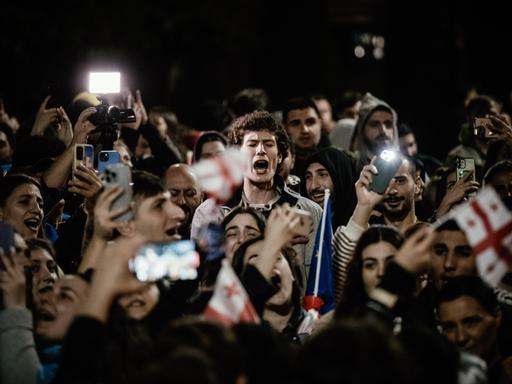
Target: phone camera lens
[(104, 157)]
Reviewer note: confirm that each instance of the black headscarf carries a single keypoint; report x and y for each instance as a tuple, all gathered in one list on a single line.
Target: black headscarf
[(340, 168)]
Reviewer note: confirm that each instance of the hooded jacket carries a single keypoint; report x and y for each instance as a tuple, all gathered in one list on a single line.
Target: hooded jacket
[(340, 169), (369, 104)]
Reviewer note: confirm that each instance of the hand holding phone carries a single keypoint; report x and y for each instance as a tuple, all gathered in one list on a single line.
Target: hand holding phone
[(119, 175), (483, 127), (83, 154), (387, 164)]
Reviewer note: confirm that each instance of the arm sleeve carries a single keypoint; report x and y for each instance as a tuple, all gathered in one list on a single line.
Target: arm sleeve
[(84, 342), (344, 243), (164, 151), (19, 362)]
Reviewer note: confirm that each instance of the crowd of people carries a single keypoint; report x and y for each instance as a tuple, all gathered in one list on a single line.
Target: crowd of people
[(409, 304)]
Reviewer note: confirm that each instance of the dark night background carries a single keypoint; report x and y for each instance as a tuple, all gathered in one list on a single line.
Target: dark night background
[(180, 53)]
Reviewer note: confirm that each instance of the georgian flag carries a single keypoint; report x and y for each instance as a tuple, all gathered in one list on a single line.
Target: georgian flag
[(230, 304), (488, 227), (221, 176)]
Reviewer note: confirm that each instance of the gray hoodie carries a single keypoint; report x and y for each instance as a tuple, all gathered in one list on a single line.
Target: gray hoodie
[(368, 104)]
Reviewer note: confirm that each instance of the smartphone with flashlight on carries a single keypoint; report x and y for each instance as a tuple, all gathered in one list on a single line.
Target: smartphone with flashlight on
[(387, 164), (176, 260)]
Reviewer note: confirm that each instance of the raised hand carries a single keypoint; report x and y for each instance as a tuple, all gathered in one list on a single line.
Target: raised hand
[(141, 114), (104, 216), (86, 183), (501, 128), (365, 196), (83, 126), (44, 117), (64, 127), (414, 254), (460, 190)]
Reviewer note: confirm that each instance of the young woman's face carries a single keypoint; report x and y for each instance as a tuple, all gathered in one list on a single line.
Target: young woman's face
[(375, 258), (240, 229), (282, 275), (139, 304), (24, 210)]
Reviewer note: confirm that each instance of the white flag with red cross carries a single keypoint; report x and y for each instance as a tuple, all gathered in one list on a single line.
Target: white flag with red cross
[(488, 226), (230, 303)]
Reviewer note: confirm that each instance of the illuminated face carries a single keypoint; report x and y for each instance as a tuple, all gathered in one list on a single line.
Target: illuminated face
[(212, 149), (318, 180), (261, 146), (400, 195), (304, 127), (465, 323), (451, 256), (379, 131), (139, 304), (408, 145), (240, 229), (375, 258), (59, 307), (23, 210)]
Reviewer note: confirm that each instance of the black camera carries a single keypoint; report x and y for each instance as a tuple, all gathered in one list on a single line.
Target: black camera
[(106, 120), (112, 115)]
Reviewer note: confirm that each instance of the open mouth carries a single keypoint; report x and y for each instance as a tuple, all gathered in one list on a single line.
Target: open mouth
[(394, 201), (32, 224), (260, 166), (136, 304), (45, 315), (276, 280), (172, 233)]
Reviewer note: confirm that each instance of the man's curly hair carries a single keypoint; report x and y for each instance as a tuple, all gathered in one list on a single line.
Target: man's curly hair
[(259, 121)]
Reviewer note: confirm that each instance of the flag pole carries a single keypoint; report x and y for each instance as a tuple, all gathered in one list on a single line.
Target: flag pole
[(321, 242)]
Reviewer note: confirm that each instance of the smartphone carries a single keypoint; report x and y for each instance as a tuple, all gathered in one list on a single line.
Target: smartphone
[(120, 175), (483, 127), (176, 260), (83, 153), (387, 163), (6, 240), (106, 158), (465, 166), (305, 225)]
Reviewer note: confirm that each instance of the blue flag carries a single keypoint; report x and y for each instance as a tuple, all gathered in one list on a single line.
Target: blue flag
[(320, 287)]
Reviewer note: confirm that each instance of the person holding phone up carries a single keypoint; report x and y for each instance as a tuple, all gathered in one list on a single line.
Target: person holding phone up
[(393, 200)]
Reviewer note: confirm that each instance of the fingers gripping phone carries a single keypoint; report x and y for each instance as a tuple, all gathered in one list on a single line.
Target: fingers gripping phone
[(119, 175), (482, 127), (387, 164), (466, 166), (105, 158), (83, 154), (177, 260)]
